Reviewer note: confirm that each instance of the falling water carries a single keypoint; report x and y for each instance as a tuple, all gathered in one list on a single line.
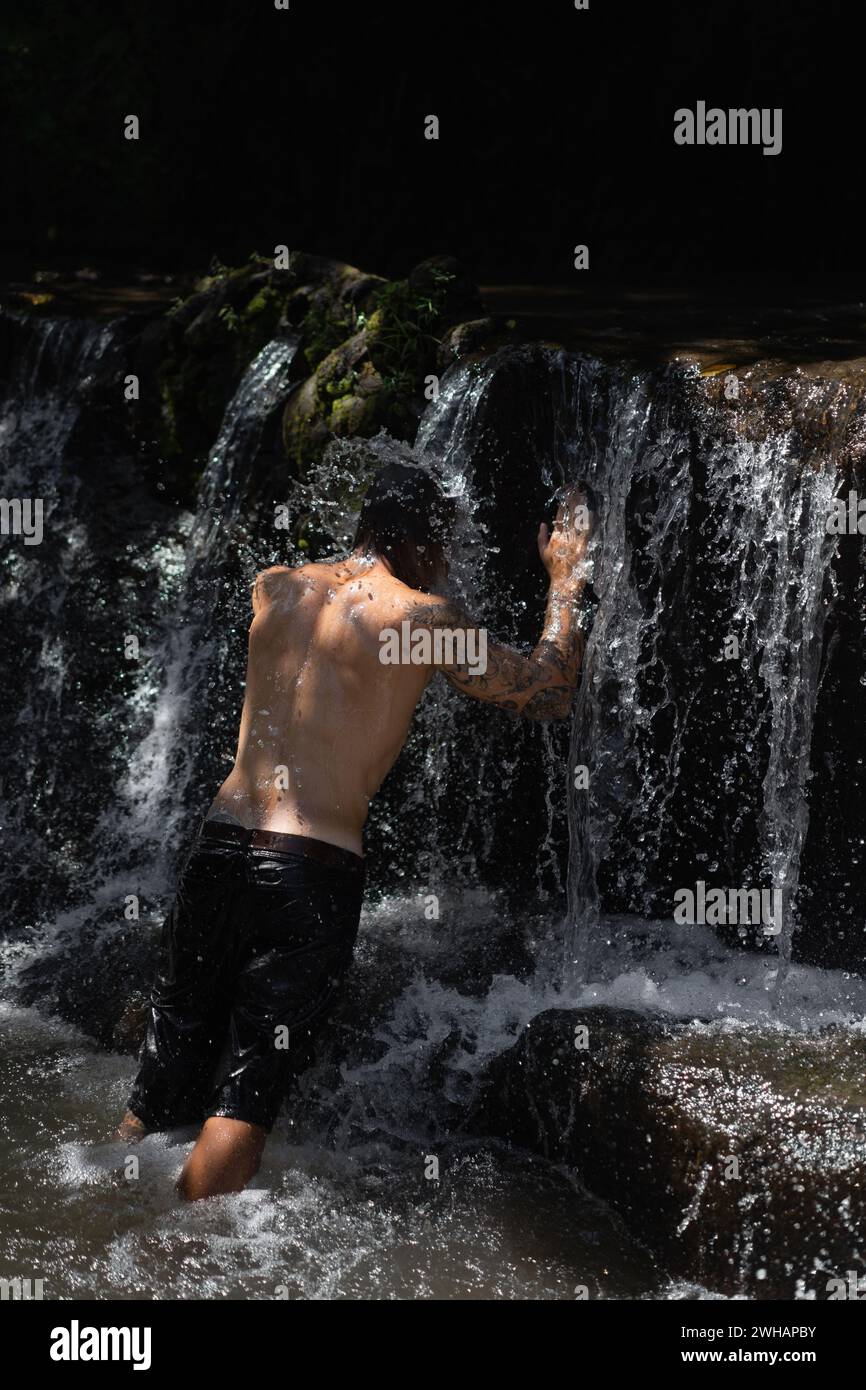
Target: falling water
[(118, 822), (696, 545), (698, 762), (155, 794), (698, 768), (42, 403)]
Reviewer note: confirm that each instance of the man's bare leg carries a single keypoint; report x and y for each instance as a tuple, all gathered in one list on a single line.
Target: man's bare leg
[(226, 1156), (130, 1129)]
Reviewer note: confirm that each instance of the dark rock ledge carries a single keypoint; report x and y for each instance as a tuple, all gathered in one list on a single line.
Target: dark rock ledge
[(657, 1119)]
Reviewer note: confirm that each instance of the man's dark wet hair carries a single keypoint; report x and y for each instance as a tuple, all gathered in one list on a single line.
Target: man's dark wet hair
[(407, 520)]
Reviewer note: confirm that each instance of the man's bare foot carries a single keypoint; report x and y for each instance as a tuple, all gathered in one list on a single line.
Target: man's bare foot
[(130, 1129)]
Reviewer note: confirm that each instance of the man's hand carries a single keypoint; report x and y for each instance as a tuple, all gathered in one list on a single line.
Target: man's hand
[(562, 551), (541, 685)]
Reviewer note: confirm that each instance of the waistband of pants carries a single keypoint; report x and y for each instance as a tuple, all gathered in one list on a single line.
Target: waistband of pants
[(305, 845)]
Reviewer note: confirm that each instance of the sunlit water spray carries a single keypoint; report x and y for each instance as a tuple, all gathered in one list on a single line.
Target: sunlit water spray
[(341, 1208)]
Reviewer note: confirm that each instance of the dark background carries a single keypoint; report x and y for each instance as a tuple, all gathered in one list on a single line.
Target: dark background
[(306, 127)]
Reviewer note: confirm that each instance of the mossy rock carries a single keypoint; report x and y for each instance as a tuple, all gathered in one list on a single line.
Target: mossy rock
[(339, 399), (375, 377), (215, 333), (474, 336), (367, 347)]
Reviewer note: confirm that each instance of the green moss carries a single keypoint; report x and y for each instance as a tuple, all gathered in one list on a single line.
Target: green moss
[(343, 386), (213, 335), (260, 302), (403, 329), (258, 322), (379, 353), (324, 330)]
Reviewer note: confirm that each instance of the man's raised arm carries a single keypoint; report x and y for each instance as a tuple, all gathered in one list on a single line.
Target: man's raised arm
[(538, 686)]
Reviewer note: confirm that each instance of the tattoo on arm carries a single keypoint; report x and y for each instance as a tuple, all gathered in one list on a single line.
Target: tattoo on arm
[(539, 686), (549, 704)]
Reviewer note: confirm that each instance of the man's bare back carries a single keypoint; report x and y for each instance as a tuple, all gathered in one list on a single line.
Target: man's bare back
[(324, 719)]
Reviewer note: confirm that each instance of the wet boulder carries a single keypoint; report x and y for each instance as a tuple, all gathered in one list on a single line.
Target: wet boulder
[(482, 335), (213, 334), (736, 1155)]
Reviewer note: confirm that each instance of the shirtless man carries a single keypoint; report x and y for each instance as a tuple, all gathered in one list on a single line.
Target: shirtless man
[(268, 903)]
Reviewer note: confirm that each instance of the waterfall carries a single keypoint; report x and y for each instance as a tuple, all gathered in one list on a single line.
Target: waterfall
[(41, 406), (710, 529), (113, 822), (700, 766), (705, 536), (191, 654)]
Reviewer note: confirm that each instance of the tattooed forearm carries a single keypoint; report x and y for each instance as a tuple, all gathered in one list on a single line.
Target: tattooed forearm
[(549, 704), (538, 686)]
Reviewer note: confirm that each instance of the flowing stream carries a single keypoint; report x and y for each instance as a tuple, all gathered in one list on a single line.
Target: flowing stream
[(697, 763)]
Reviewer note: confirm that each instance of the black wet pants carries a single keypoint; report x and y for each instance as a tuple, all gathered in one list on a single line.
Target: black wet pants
[(254, 948)]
